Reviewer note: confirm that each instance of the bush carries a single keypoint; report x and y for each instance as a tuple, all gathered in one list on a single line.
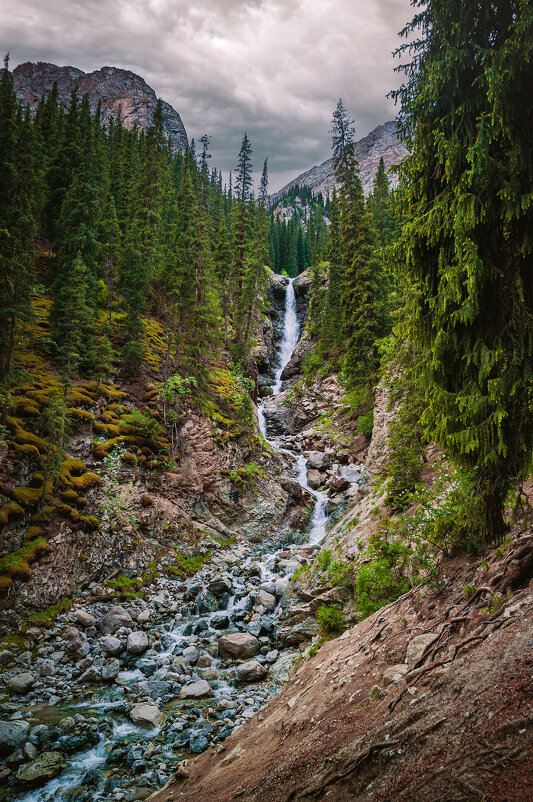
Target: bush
[(324, 559), (365, 423), (330, 620)]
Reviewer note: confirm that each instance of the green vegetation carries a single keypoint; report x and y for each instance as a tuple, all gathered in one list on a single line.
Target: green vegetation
[(330, 620)]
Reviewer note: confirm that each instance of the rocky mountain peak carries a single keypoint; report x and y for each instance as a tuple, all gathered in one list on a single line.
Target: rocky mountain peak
[(381, 142), (119, 92)]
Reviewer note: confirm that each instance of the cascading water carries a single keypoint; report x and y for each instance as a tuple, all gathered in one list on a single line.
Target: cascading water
[(291, 336)]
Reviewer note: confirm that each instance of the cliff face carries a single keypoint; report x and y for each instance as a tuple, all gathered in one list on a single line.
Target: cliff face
[(119, 92), (382, 141)]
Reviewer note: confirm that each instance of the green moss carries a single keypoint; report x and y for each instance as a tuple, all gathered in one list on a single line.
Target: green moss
[(90, 522), (129, 459), (26, 450), (9, 511), (17, 564), (30, 496), (190, 565), (5, 583), (32, 532), (45, 618), (69, 496), (81, 415), (85, 481)]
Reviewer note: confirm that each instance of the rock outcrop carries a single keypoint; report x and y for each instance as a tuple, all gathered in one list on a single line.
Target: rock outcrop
[(120, 93), (382, 141)]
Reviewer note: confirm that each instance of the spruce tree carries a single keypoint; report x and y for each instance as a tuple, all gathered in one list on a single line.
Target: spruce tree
[(467, 242)]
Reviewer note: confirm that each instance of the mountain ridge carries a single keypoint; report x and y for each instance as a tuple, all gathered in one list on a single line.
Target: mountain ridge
[(382, 141), (119, 91)]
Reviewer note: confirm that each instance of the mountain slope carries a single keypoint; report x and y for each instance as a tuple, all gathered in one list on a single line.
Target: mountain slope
[(119, 92), (382, 141)]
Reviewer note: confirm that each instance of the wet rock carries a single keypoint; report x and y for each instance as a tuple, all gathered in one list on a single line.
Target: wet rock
[(146, 666), (137, 642), (239, 645), (207, 603), (318, 460), (93, 674), (40, 770), (21, 683), (282, 585), (220, 621), (84, 618), (111, 645), (147, 715), (198, 743), (266, 600), (114, 619), (191, 654), (315, 478), (196, 690), (6, 657), (144, 617), (251, 671), (12, 735), (67, 725), (219, 586), (272, 656), (292, 487), (416, 648)]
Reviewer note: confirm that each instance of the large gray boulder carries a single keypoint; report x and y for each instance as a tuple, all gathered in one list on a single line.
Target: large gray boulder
[(251, 671), (266, 599), (318, 460), (240, 645), (114, 619), (21, 683), (147, 715), (111, 645), (84, 618), (12, 735), (40, 770), (137, 642), (196, 690)]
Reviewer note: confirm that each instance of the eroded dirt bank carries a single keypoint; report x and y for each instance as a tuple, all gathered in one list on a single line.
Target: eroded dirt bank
[(428, 699)]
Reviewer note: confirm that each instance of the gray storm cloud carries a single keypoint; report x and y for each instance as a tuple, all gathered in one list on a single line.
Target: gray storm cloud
[(274, 69)]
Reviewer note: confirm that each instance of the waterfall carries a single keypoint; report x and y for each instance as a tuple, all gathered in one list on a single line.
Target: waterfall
[(291, 336)]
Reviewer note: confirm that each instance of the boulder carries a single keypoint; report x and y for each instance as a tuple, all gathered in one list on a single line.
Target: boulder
[(6, 657), (191, 654), (292, 487), (111, 645), (67, 725), (394, 674), (196, 690), (251, 671), (207, 603), (76, 643), (114, 619), (84, 618), (282, 585), (219, 586), (47, 668), (12, 735), (240, 645), (40, 770), (147, 715), (304, 631), (266, 599), (416, 648), (314, 478), (137, 642), (21, 683), (144, 617), (318, 460), (110, 670)]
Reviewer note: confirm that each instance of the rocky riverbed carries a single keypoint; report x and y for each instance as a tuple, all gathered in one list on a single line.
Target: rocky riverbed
[(118, 694)]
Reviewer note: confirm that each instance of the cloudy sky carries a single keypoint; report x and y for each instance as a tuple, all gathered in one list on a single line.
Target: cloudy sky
[(272, 68)]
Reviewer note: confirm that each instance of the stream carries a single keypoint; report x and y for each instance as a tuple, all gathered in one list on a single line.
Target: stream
[(120, 698)]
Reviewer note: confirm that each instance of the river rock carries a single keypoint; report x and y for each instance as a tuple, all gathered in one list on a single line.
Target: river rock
[(191, 654), (282, 585), (144, 617), (47, 668), (75, 643), (12, 735), (196, 690), (67, 725), (314, 478), (21, 683), (318, 460), (84, 618), (239, 645), (40, 770), (292, 487), (304, 631), (137, 642), (266, 599), (416, 648), (110, 669), (219, 586), (6, 657), (114, 619), (251, 671), (147, 715), (207, 603), (111, 645), (220, 621)]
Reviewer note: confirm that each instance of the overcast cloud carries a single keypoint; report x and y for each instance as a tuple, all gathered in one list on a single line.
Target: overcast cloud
[(272, 68)]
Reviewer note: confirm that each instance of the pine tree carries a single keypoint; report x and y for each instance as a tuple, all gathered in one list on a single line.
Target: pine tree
[(241, 224), (73, 318), (467, 242)]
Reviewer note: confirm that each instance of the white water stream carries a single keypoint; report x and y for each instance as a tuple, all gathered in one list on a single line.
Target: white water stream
[(291, 336)]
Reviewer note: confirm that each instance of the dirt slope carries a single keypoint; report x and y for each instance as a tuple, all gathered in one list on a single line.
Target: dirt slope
[(457, 726)]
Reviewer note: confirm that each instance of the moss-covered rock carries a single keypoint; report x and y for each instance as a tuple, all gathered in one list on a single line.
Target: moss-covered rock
[(9, 512), (17, 564)]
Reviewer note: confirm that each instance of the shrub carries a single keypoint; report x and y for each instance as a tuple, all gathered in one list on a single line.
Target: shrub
[(330, 620), (324, 559), (365, 423)]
